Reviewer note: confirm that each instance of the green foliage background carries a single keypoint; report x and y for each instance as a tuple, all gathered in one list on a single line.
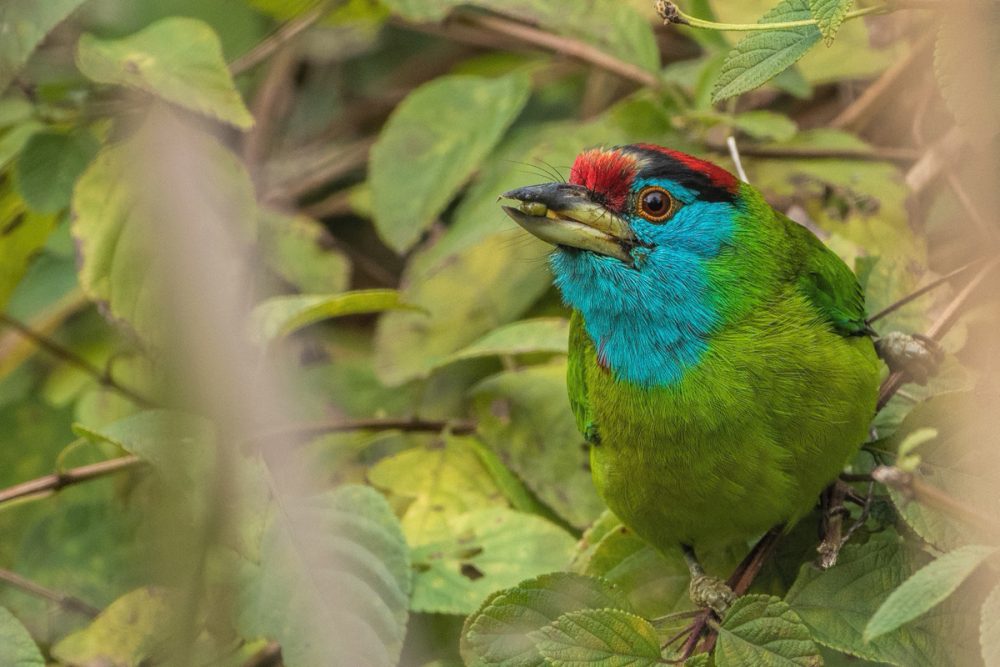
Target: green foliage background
[(358, 148)]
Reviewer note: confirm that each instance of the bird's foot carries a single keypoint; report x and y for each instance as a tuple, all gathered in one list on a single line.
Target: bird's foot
[(917, 356), (710, 592)]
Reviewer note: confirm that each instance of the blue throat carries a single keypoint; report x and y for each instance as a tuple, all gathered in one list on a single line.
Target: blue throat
[(651, 322)]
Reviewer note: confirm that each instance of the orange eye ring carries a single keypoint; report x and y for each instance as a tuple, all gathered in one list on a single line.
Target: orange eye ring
[(654, 203)]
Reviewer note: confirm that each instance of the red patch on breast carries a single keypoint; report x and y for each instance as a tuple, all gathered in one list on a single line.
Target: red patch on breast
[(609, 174), (719, 176)]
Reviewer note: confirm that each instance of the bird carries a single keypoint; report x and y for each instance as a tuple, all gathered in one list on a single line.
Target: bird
[(720, 365)]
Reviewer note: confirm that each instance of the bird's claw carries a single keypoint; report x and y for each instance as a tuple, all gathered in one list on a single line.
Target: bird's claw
[(712, 593), (917, 356)]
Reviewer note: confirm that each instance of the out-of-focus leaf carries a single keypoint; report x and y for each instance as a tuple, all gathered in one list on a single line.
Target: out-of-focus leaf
[(118, 265), (543, 334), (431, 144), (829, 14), (129, 632), (178, 59), (497, 633), (763, 630), (763, 54), (766, 125), (926, 588), (301, 251), (524, 416), (609, 637), (49, 165), (482, 551), (24, 24), (836, 605), (989, 629), (281, 315), (17, 648), (339, 600), (14, 139), (466, 295), (22, 235), (452, 480), (611, 25), (967, 65)]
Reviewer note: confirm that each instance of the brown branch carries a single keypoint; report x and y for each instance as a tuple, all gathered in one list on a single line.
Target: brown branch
[(277, 39), (914, 488), (52, 483), (937, 330), (563, 45), (55, 349), (64, 600), (308, 429), (893, 307)]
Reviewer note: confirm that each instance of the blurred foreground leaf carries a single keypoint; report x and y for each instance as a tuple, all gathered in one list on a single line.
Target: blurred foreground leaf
[(17, 648), (24, 24), (178, 59), (431, 144), (340, 598), (49, 165)]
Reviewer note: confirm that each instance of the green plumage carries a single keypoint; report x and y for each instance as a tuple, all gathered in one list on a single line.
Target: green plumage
[(751, 433)]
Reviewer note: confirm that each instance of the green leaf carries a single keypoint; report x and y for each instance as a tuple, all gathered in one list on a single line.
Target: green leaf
[(24, 24), (129, 632), (764, 54), (466, 294), (524, 416), (14, 139), (989, 628), (178, 59), (967, 67), (836, 605), (49, 165), (333, 582), (431, 144), (763, 630), (17, 648), (497, 633), (543, 334), (610, 637), (22, 235), (766, 125), (452, 481), (117, 263), (829, 14), (926, 588), (482, 551), (281, 315), (303, 252)]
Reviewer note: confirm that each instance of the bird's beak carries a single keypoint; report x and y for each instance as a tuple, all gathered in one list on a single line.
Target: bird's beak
[(564, 214)]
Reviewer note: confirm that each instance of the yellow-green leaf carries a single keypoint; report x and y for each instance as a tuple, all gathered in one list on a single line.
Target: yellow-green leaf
[(24, 24), (829, 14), (762, 630), (610, 637), (178, 59), (282, 315), (17, 648)]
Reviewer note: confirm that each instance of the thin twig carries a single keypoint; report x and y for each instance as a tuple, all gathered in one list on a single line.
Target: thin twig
[(64, 600), (564, 45), (52, 483), (269, 656), (309, 429), (734, 153), (939, 328), (276, 40), (55, 349), (914, 488), (893, 307)]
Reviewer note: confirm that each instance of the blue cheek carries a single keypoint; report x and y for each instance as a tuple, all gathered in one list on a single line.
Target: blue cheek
[(651, 321)]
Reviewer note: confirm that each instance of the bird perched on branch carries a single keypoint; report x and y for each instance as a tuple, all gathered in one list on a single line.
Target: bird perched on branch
[(720, 364)]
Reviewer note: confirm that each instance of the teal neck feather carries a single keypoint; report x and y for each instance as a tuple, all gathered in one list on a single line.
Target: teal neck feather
[(651, 322)]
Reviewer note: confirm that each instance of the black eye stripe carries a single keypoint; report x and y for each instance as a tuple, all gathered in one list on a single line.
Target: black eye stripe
[(654, 203)]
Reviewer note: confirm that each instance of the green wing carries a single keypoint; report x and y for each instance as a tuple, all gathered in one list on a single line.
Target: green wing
[(581, 353), (828, 283)]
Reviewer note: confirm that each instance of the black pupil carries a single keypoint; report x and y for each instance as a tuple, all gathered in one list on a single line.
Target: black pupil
[(655, 203)]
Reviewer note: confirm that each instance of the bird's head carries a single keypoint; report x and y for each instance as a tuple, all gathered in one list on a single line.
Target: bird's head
[(638, 205), (645, 248)]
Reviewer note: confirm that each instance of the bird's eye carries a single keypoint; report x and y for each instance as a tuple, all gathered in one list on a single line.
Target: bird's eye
[(655, 204)]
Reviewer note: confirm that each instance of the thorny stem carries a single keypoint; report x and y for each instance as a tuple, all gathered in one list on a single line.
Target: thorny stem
[(671, 13)]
